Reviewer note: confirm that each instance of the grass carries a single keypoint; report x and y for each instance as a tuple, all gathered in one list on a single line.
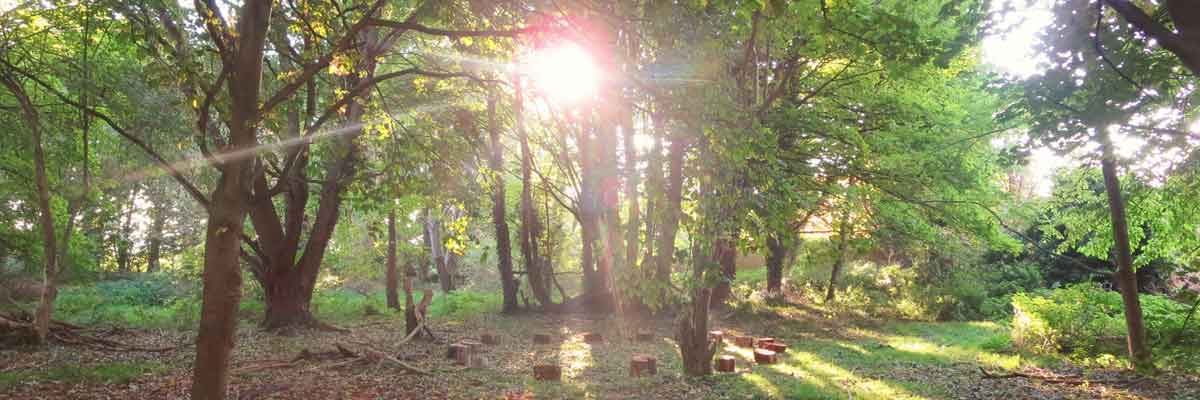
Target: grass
[(111, 373)]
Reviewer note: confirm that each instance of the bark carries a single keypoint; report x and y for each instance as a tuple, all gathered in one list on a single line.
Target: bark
[(671, 211), (125, 243), (539, 282), (594, 274), (391, 280), (632, 178), (840, 260), (726, 254), (45, 309), (654, 191), (433, 226), (410, 312), (1185, 16), (776, 254), (1139, 351), (423, 271), (222, 275), (503, 247), (155, 238)]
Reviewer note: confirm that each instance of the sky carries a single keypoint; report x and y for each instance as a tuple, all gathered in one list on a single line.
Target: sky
[(1013, 51)]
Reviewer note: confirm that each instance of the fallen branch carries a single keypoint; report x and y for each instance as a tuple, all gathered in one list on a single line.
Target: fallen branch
[(1059, 379), (376, 356)]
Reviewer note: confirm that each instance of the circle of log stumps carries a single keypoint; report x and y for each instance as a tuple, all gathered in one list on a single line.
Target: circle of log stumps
[(764, 356), (642, 365), (541, 338), (743, 341), (466, 353), (592, 338), (547, 372), (726, 364)]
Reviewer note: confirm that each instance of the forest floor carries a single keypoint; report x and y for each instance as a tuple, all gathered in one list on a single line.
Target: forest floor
[(828, 358)]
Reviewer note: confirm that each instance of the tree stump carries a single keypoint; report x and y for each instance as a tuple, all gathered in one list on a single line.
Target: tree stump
[(717, 336), (645, 336), (762, 342), (547, 372), (592, 338), (642, 365), (743, 341), (777, 347), (456, 348), (541, 338), (462, 353), (764, 356), (490, 339), (726, 364)]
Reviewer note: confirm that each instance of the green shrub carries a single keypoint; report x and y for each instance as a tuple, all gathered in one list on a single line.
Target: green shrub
[(462, 304), (1086, 319)]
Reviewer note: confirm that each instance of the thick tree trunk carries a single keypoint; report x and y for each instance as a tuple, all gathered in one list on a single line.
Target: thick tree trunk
[(776, 254), (499, 220), (410, 313), (539, 282), (222, 273), (423, 270), (391, 280), (840, 260), (595, 272), (1139, 351), (726, 253), (155, 237), (433, 226), (287, 300)]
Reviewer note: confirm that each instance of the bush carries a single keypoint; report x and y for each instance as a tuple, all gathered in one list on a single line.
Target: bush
[(1086, 319), (462, 304)]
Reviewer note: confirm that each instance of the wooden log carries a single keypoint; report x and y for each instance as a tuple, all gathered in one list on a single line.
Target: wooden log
[(764, 356), (490, 339), (777, 347), (547, 372), (592, 338), (541, 338), (763, 341), (726, 364), (716, 336), (644, 336), (743, 341), (456, 348), (463, 355), (475, 345), (642, 365)]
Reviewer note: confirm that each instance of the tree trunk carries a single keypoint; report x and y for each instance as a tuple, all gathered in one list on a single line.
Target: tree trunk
[(654, 193), (499, 220), (155, 240), (595, 274), (840, 260), (391, 283), (227, 213), (539, 283), (1126, 279), (125, 243), (433, 226), (45, 309), (726, 253), (410, 313), (776, 254), (671, 211), (423, 270)]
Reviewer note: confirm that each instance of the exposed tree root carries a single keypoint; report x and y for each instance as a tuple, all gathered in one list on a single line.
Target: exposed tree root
[(19, 327)]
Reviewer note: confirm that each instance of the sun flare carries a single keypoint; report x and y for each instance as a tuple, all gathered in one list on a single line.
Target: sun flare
[(564, 72)]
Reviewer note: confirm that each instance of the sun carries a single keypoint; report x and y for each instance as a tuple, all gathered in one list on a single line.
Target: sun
[(564, 72)]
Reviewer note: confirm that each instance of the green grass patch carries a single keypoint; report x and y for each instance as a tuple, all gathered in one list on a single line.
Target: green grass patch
[(112, 373)]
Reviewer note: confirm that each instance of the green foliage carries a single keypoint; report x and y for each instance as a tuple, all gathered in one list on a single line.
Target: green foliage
[(1087, 320), (462, 304)]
